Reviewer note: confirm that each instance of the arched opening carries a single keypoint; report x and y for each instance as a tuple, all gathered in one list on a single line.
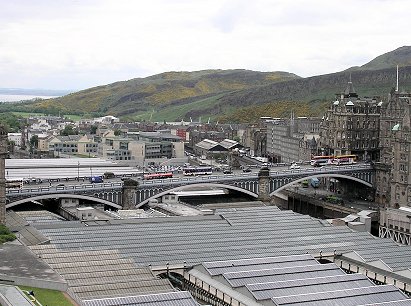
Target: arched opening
[(64, 205), (234, 193)]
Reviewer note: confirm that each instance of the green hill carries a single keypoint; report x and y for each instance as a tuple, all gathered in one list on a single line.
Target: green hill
[(139, 98), (228, 95), (400, 56)]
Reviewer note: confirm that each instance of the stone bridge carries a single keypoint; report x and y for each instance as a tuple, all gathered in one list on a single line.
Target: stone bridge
[(260, 186)]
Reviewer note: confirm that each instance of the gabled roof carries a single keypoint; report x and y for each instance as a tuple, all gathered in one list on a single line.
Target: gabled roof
[(229, 144), (207, 144)]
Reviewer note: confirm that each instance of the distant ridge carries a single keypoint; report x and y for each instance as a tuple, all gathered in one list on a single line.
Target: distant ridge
[(34, 92), (231, 95), (400, 56)]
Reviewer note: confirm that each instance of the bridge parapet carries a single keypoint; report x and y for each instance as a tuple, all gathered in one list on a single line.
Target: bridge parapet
[(11, 193)]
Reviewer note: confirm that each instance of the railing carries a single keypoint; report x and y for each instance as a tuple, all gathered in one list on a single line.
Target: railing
[(64, 188)]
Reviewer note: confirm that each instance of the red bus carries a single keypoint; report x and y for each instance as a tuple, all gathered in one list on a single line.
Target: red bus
[(159, 175)]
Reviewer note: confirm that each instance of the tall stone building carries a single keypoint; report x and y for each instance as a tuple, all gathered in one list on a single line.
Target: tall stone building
[(351, 126), (393, 175), (293, 139), (3, 153)]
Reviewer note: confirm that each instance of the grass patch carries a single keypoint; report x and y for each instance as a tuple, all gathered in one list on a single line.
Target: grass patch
[(48, 297), (178, 112), (5, 234)]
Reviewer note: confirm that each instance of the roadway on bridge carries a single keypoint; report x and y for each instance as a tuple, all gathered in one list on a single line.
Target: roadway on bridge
[(45, 169), (73, 183)]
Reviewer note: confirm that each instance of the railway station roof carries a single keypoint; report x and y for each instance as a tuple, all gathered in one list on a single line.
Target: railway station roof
[(227, 235), (234, 235), (297, 280)]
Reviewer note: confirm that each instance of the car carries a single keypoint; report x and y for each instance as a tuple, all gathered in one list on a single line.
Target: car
[(295, 166), (60, 185), (227, 171), (246, 169)]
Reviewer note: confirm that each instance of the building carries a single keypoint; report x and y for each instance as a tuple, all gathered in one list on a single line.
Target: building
[(114, 148), (284, 280), (208, 146), (216, 132), (393, 173), (396, 224), (64, 144), (293, 139), (351, 126), (140, 146), (255, 138), (86, 146), (15, 138)]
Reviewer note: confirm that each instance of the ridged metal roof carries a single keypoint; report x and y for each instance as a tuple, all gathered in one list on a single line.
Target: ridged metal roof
[(264, 291), (181, 298), (236, 234), (346, 297), (314, 284), (237, 279)]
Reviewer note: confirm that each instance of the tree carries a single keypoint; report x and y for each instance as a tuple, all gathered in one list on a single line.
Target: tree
[(117, 132), (34, 143), (11, 121), (68, 130), (93, 129)]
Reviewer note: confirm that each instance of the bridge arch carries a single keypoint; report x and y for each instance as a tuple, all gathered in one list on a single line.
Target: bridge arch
[(317, 175), (63, 195), (210, 185)]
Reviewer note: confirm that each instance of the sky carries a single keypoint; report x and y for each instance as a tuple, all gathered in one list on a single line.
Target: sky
[(78, 44)]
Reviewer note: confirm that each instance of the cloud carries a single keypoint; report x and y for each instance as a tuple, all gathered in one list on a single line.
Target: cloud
[(79, 44)]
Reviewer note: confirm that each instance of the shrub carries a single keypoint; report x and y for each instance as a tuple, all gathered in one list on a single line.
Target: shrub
[(5, 234)]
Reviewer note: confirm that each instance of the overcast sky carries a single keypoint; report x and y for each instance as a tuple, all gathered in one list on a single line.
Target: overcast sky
[(68, 44)]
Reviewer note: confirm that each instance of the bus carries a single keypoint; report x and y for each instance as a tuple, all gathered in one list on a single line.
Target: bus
[(14, 183), (318, 161), (198, 171), (158, 175), (345, 159)]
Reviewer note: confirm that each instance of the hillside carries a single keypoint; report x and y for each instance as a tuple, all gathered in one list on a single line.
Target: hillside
[(319, 91), (400, 56), (139, 98), (230, 95)]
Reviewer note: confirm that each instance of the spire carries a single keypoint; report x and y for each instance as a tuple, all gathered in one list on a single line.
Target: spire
[(349, 90)]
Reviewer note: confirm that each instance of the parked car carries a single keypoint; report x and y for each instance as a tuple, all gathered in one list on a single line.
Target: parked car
[(295, 166), (246, 169), (227, 171)]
